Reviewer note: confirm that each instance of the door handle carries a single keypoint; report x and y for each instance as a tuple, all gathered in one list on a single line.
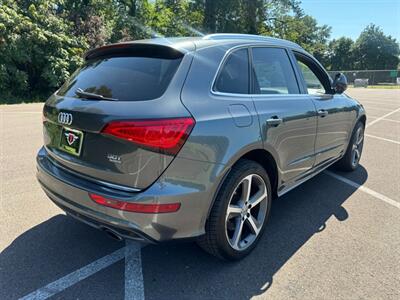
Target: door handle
[(274, 121), (322, 113)]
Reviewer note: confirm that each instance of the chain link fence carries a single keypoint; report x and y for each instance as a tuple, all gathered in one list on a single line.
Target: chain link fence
[(370, 77)]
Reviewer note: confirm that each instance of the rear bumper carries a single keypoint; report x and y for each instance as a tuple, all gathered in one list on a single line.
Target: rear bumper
[(191, 183)]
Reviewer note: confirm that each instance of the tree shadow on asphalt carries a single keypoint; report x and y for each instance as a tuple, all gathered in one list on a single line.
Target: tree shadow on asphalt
[(62, 245), (51, 250), (185, 271)]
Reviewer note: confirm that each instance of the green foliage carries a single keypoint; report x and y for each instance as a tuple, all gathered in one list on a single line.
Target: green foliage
[(42, 41), (373, 50), (304, 30), (341, 55), (37, 50)]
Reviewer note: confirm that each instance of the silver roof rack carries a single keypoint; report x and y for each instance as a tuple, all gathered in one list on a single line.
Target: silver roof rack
[(252, 37)]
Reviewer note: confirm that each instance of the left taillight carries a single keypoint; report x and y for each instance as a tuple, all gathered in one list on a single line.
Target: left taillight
[(135, 207), (163, 135)]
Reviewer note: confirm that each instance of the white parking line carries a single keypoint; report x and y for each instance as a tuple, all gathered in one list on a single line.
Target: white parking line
[(76, 276), (382, 139), (380, 108), (134, 289), (21, 112), (391, 120), (381, 100), (368, 102), (384, 116), (364, 189)]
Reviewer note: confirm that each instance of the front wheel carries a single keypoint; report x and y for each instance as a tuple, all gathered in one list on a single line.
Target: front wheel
[(351, 159), (239, 214)]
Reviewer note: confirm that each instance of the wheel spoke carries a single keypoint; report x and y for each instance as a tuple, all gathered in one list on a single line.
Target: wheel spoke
[(357, 154), (233, 210), (360, 139), (354, 156), (243, 223), (257, 198), (246, 188), (238, 233), (252, 222)]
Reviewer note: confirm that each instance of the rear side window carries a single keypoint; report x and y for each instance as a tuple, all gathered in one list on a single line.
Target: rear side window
[(125, 78), (273, 72), (234, 75)]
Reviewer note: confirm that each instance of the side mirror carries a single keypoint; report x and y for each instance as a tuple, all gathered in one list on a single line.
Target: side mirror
[(339, 84)]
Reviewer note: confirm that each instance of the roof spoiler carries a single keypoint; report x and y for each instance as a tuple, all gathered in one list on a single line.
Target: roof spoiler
[(134, 49)]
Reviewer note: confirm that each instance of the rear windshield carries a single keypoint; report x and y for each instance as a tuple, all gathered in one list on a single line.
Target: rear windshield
[(123, 78)]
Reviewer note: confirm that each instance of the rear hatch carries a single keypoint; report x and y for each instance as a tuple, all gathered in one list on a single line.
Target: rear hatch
[(119, 120)]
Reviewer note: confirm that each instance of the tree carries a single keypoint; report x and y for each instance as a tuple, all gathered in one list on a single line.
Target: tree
[(42, 41), (373, 50), (175, 18), (305, 31), (210, 12), (38, 52), (132, 20), (92, 19), (341, 55), (253, 16)]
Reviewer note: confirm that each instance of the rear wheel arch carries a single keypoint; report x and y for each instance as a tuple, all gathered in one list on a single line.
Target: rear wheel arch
[(362, 119), (262, 157), (267, 161)]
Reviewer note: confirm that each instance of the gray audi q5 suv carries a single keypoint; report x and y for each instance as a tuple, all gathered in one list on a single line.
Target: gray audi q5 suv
[(168, 139)]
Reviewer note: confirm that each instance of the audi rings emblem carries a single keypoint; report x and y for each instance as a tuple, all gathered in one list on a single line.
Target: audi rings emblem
[(65, 118)]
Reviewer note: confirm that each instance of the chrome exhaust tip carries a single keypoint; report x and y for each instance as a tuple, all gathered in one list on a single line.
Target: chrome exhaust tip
[(112, 234)]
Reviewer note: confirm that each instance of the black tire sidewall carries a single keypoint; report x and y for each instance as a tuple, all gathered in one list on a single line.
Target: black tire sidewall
[(348, 164), (237, 174)]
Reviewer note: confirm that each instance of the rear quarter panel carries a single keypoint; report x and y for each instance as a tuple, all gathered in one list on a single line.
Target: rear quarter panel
[(227, 126)]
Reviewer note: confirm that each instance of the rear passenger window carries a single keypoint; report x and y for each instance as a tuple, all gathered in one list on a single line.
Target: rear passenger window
[(273, 73), (234, 75)]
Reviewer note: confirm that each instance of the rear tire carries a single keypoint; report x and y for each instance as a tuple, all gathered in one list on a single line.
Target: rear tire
[(351, 159), (239, 214)]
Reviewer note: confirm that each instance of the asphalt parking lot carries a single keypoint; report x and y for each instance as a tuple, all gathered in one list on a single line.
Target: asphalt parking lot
[(335, 237)]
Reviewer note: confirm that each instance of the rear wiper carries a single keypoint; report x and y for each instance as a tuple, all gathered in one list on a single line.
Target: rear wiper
[(82, 94)]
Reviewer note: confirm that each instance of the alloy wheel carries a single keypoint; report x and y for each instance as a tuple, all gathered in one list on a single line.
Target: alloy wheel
[(357, 147), (246, 212)]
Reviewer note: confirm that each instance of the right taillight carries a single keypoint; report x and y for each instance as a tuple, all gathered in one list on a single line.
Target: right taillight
[(163, 135)]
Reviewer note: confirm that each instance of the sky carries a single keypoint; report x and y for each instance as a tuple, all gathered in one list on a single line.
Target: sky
[(349, 17)]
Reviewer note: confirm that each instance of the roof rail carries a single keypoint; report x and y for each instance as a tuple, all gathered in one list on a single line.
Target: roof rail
[(234, 36), (253, 37)]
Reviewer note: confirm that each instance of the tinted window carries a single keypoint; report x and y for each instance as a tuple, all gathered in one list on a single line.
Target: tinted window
[(234, 76), (314, 85), (123, 78), (273, 73)]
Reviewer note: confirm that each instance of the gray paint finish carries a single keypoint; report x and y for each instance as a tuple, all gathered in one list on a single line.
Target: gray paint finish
[(228, 126)]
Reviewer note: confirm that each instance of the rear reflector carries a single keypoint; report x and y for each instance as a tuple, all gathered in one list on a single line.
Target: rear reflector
[(165, 135), (135, 207)]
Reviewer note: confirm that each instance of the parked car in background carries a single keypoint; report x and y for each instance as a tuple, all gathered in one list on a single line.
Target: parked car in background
[(361, 82), (192, 138)]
